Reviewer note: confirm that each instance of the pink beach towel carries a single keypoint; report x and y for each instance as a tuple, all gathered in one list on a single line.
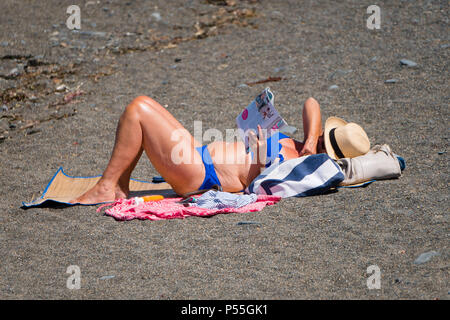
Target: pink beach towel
[(126, 209)]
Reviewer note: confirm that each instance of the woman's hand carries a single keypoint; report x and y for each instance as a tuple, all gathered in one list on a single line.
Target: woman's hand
[(309, 148), (258, 145)]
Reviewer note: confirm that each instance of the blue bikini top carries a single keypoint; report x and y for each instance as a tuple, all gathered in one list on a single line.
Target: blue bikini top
[(273, 148)]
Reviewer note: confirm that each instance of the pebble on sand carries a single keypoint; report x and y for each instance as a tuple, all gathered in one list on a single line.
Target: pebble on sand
[(408, 63), (391, 81), (279, 69), (425, 257), (241, 223), (333, 87), (340, 72), (87, 33), (13, 73), (61, 88), (157, 16)]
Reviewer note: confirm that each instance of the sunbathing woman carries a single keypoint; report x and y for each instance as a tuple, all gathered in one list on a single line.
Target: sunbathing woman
[(147, 126)]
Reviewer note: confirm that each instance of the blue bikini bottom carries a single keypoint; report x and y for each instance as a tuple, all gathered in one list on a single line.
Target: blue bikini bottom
[(210, 172), (273, 152)]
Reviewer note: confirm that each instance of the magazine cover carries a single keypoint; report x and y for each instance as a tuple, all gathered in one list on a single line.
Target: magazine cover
[(260, 111)]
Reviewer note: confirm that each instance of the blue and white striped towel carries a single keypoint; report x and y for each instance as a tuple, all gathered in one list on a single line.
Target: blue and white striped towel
[(299, 177)]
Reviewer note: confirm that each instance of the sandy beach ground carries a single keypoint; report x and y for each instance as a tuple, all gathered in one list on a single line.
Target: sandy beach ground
[(62, 91)]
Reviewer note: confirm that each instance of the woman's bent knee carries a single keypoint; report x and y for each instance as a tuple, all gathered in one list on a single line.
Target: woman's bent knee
[(141, 103), (311, 101), (143, 99)]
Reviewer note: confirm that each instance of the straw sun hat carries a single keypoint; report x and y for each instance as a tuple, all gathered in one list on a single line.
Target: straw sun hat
[(345, 140)]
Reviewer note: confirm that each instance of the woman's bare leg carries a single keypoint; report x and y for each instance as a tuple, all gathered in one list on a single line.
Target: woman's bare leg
[(312, 126), (123, 188), (146, 125)]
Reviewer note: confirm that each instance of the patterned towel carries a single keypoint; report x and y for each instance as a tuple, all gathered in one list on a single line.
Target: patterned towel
[(213, 199), (127, 209)]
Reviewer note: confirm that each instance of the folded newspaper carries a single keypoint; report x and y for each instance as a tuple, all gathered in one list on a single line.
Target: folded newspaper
[(261, 111)]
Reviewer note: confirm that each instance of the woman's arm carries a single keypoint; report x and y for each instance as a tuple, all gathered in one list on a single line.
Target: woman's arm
[(259, 149)]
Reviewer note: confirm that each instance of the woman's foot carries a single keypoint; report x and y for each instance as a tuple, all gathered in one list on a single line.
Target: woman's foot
[(97, 194), (121, 192)]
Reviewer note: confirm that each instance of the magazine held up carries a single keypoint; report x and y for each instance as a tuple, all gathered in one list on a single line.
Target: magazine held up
[(261, 111)]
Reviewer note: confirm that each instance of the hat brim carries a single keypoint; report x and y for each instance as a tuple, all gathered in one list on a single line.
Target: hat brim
[(331, 123)]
